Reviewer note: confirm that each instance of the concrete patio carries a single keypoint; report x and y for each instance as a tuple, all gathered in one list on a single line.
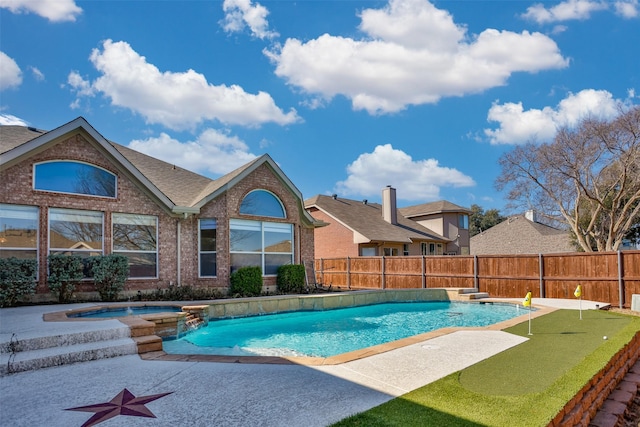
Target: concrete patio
[(224, 394)]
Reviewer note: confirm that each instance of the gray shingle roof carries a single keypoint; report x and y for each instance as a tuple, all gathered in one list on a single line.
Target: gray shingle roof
[(518, 235), (431, 208), (179, 185), (367, 220), (12, 136)]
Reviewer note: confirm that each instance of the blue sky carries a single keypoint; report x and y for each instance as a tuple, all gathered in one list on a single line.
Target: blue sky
[(346, 96)]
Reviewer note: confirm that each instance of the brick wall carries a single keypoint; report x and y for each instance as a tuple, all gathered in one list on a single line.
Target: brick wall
[(17, 188), (580, 410), (334, 240)]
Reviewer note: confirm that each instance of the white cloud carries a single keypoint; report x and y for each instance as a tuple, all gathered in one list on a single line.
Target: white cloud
[(242, 13), (417, 179), (413, 54), (10, 73), (627, 8), (37, 74), (53, 10), (579, 10), (8, 119), (517, 126), (212, 153), (177, 100)]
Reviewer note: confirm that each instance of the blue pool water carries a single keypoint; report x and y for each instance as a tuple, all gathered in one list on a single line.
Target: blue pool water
[(331, 332), (103, 313)]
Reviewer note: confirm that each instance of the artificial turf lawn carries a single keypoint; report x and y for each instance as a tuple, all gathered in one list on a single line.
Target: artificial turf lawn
[(526, 385)]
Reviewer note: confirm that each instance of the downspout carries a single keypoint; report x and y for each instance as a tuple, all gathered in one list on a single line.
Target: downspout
[(178, 232)]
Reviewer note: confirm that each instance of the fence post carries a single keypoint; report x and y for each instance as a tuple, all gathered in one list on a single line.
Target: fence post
[(322, 270), (620, 281), (382, 272), (424, 272), (476, 283), (541, 269), (348, 273)]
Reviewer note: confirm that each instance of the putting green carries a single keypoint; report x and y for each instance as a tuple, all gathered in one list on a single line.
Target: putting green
[(560, 340)]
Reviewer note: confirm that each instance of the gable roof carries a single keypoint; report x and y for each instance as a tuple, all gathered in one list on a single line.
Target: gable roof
[(519, 235), (177, 189), (441, 206), (366, 219)]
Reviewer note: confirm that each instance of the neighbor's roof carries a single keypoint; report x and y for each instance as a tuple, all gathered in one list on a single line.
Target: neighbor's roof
[(179, 189), (441, 206), (518, 235), (366, 219)]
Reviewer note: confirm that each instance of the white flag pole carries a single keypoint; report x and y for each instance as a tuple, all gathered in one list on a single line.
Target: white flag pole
[(580, 306), (530, 321)]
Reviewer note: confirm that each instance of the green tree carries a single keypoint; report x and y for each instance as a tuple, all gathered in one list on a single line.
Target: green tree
[(481, 220)]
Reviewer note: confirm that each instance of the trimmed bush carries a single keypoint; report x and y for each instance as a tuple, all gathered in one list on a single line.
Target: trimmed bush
[(110, 273), (17, 280), (181, 293), (65, 272), (290, 279), (246, 282)]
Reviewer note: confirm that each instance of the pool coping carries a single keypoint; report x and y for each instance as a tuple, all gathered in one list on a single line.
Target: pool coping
[(150, 345), (350, 356)]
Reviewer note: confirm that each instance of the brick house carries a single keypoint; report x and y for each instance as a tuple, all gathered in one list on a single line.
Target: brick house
[(71, 191), (360, 228)]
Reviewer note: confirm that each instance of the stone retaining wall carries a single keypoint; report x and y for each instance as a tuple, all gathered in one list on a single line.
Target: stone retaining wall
[(279, 304), (580, 410)]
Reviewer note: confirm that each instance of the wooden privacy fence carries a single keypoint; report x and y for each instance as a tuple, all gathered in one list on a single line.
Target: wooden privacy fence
[(609, 277)]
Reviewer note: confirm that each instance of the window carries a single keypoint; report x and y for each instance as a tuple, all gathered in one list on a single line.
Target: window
[(405, 249), (390, 251), (136, 236), (75, 232), (18, 231), (463, 222), (368, 251), (75, 178), (256, 243), (262, 203), (431, 248), (208, 266)]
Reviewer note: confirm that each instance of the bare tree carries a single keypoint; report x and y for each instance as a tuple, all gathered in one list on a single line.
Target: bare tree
[(588, 178)]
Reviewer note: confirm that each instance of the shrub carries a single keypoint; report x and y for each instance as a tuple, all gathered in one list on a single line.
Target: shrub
[(181, 293), (290, 279), (17, 279), (246, 282), (65, 272), (110, 273)]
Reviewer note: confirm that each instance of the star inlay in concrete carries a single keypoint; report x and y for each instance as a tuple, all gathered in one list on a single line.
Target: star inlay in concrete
[(125, 403)]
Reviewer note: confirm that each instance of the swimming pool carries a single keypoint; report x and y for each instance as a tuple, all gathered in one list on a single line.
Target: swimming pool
[(108, 312), (331, 332)]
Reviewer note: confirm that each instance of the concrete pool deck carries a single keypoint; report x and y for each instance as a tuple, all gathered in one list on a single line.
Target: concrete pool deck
[(228, 394)]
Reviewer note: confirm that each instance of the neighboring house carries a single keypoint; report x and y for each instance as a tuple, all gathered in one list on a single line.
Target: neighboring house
[(71, 191), (521, 234), (359, 228), (445, 218)]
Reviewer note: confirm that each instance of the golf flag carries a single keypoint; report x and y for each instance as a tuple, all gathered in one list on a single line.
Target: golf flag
[(578, 292), (527, 300)]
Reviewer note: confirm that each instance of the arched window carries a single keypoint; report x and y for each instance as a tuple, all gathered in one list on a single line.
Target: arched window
[(262, 203), (66, 176)]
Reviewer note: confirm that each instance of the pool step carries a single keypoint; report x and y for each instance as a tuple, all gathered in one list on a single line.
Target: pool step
[(471, 294), (42, 352)]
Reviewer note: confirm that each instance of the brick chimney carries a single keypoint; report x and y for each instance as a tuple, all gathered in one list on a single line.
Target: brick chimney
[(389, 208)]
